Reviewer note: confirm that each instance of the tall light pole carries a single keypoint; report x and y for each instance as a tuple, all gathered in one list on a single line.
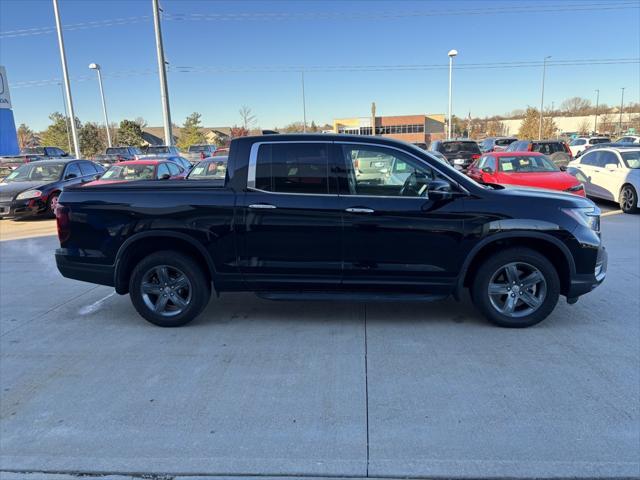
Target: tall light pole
[(66, 116), (452, 53), (304, 107), (544, 70), (162, 72), (621, 108), (65, 75), (96, 67), (595, 123)]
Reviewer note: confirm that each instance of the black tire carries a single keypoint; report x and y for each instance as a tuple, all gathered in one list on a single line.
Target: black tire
[(628, 199), (526, 261), (195, 284)]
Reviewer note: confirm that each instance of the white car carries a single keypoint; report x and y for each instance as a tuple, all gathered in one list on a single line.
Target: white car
[(611, 174), (580, 144), (634, 139)]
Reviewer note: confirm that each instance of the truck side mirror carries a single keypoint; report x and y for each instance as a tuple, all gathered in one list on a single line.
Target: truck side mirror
[(488, 170), (165, 176), (439, 190), (69, 176)]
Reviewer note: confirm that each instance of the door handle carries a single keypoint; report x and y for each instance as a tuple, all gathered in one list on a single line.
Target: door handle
[(261, 205), (359, 210)]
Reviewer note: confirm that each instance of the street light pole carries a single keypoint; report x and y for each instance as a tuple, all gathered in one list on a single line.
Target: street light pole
[(66, 116), (96, 67), (164, 94), (544, 69), (595, 123), (621, 107), (452, 53), (65, 75), (304, 107)]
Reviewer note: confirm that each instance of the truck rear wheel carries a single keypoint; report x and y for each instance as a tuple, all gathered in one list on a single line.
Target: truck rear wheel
[(169, 289), (516, 288)]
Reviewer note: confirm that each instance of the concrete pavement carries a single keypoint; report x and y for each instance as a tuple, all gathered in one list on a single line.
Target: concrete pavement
[(316, 389)]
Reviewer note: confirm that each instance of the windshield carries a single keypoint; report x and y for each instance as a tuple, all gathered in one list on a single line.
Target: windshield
[(33, 151), (36, 172), (208, 170), (632, 159), (158, 150), (527, 164), (199, 148), (129, 172), (455, 147), (117, 151)]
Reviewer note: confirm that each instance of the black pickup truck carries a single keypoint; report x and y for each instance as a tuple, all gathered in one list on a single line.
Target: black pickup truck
[(292, 220)]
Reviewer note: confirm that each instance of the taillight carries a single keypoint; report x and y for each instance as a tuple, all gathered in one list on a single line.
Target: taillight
[(567, 149), (202, 156), (475, 156), (356, 164), (530, 147), (63, 222)]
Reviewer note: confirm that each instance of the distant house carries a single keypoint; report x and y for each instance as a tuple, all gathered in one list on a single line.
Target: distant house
[(212, 135)]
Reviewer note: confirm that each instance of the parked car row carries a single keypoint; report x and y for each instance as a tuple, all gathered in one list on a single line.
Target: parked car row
[(33, 188)]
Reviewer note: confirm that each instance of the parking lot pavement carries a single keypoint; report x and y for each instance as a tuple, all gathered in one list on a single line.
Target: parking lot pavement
[(18, 229), (300, 389)]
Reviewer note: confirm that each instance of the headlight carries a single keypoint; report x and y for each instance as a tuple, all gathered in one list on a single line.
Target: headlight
[(587, 216), (29, 194)]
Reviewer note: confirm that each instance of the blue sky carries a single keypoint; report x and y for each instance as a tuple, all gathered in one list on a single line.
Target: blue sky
[(323, 33)]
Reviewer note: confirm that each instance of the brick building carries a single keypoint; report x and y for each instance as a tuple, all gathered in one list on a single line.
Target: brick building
[(410, 128)]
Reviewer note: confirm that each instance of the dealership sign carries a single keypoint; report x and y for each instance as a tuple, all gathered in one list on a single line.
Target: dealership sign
[(8, 136), (5, 99)]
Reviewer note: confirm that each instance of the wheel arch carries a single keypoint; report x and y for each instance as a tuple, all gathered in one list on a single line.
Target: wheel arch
[(136, 247), (551, 247)]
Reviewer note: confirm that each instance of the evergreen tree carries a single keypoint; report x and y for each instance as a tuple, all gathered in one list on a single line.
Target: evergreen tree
[(130, 134), (56, 134), (26, 137), (91, 139), (530, 126), (191, 133)]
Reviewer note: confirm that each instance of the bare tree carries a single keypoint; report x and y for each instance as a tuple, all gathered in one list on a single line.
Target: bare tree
[(584, 127), (248, 119), (575, 105), (141, 121)]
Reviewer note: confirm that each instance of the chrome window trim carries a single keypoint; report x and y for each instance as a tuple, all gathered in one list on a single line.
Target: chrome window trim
[(253, 158)]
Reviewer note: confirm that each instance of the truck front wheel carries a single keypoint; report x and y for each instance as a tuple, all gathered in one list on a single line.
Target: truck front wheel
[(169, 289), (517, 287)]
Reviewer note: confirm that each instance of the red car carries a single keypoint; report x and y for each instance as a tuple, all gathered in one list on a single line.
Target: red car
[(141, 170), (528, 169)]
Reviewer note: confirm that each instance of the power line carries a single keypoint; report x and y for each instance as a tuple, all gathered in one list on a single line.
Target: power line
[(338, 68), (283, 16), (613, 5)]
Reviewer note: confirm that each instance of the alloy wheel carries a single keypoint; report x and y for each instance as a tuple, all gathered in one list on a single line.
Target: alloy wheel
[(517, 289), (628, 199), (166, 290)]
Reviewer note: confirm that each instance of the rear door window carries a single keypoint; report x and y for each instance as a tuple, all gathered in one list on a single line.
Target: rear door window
[(301, 168), (87, 169), (589, 159), (162, 170), (72, 169)]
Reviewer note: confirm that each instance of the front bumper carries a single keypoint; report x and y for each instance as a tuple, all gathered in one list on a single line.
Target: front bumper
[(29, 207), (581, 284)]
